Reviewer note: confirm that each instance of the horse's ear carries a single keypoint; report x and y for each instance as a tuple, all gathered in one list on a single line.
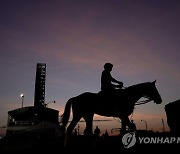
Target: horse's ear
[(154, 82)]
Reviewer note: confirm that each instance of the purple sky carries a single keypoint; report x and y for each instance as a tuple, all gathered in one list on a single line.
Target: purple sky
[(76, 37)]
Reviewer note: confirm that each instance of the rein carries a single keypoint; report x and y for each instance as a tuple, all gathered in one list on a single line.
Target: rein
[(144, 101), (148, 99)]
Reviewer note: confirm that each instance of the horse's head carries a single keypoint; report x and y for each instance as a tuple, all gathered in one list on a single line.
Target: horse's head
[(153, 93)]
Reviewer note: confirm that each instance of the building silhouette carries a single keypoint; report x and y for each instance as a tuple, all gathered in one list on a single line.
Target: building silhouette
[(37, 119), (172, 112)]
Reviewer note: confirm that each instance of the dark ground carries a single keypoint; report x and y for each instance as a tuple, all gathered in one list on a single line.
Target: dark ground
[(80, 144)]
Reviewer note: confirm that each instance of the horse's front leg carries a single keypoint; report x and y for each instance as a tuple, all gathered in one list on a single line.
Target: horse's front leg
[(123, 125), (132, 126), (127, 122)]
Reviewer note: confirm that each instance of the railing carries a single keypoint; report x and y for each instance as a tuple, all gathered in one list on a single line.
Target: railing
[(21, 123)]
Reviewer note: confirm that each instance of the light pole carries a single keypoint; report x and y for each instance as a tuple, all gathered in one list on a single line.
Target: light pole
[(22, 96), (78, 129), (145, 123), (46, 104), (163, 128)]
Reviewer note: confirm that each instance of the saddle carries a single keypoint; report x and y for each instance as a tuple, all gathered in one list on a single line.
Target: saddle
[(112, 96)]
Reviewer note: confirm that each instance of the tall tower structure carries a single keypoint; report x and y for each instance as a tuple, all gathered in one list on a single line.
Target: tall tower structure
[(39, 98)]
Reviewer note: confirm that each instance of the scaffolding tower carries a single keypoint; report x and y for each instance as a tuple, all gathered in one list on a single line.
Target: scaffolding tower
[(39, 98)]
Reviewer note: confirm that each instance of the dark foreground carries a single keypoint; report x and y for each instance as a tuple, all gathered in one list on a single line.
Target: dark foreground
[(83, 144)]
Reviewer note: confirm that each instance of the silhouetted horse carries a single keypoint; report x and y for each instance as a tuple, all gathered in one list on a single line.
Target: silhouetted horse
[(87, 104)]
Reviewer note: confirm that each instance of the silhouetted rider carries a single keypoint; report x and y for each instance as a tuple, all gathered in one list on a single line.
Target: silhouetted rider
[(106, 80)]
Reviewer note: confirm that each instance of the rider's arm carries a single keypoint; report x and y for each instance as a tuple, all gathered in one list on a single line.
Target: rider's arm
[(115, 81), (120, 84)]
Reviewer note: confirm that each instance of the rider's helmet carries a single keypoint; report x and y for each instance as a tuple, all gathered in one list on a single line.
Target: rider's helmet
[(108, 66)]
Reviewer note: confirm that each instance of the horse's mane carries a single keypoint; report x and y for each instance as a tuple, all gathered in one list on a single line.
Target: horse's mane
[(139, 85)]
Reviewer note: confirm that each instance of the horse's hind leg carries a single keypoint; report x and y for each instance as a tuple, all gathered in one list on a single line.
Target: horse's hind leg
[(70, 128), (73, 124), (89, 124), (88, 132)]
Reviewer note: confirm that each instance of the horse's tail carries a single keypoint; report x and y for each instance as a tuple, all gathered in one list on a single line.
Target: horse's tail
[(65, 116)]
